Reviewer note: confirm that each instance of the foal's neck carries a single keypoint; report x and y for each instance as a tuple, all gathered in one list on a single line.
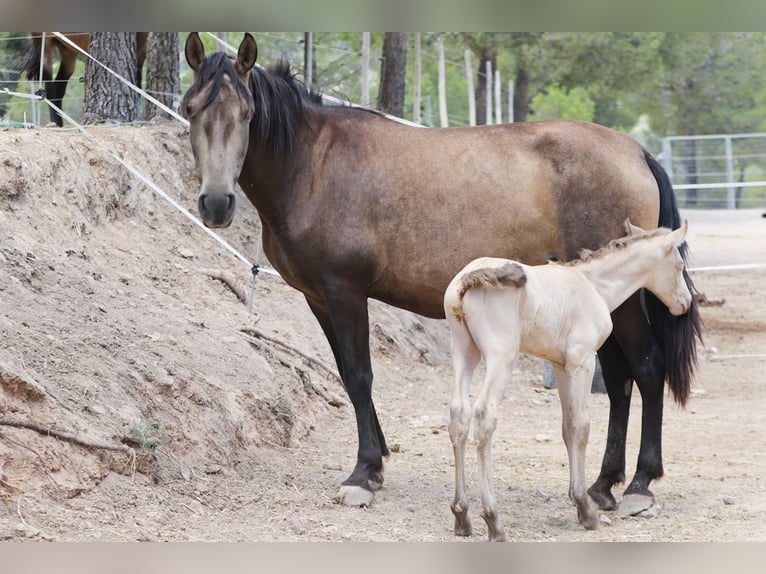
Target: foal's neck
[(617, 275)]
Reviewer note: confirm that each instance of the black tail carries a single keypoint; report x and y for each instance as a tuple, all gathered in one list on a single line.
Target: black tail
[(676, 334)]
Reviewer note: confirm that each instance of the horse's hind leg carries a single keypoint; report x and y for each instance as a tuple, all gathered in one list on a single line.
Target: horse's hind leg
[(344, 320), (573, 384), (465, 357)]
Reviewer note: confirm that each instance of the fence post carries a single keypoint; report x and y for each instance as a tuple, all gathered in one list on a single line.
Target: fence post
[(365, 69), (731, 201), (469, 84)]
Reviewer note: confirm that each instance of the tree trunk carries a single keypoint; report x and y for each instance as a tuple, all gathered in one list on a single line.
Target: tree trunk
[(107, 98), (487, 54), (162, 70), (393, 70), (521, 93)]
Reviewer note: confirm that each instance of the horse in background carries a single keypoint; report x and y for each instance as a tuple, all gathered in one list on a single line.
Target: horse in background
[(497, 308), (55, 89)]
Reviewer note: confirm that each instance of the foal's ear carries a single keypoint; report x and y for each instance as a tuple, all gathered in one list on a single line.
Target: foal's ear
[(247, 54), (194, 51), (679, 234), (631, 229)]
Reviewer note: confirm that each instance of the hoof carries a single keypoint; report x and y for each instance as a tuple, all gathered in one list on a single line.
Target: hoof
[(637, 505), (350, 495), (587, 516), (376, 481), (603, 499), (463, 526)]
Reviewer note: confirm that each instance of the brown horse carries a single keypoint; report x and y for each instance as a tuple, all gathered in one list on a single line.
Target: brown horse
[(55, 90), (355, 205)]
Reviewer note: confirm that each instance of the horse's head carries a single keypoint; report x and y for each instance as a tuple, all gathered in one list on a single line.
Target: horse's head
[(219, 106), (667, 281)]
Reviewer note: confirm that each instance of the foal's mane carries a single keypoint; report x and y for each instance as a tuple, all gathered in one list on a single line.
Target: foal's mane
[(618, 244)]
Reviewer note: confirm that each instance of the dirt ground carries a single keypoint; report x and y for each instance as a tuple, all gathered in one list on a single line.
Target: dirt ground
[(135, 407)]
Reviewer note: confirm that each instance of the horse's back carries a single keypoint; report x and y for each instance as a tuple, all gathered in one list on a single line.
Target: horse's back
[(414, 205)]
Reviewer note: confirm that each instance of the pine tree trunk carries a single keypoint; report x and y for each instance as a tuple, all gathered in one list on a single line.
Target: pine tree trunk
[(520, 93), (162, 71), (486, 54), (393, 71), (106, 97)]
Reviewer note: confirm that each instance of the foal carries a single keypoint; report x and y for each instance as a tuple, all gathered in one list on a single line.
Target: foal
[(497, 308)]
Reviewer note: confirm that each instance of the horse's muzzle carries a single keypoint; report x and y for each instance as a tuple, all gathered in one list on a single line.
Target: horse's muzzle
[(217, 209)]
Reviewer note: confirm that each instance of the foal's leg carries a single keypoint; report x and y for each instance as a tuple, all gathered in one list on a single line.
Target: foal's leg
[(465, 357), (344, 320), (485, 413), (573, 384)]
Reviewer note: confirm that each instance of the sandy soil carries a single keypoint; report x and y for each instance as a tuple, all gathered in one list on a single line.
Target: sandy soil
[(114, 339)]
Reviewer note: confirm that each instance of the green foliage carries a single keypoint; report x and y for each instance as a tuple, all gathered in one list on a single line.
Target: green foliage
[(147, 435), (557, 102)]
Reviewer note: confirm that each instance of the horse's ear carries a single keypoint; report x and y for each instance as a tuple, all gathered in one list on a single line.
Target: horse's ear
[(247, 54), (195, 51), (631, 229)]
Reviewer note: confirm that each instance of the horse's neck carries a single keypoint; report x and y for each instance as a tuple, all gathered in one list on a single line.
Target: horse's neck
[(617, 275), (265, 180)]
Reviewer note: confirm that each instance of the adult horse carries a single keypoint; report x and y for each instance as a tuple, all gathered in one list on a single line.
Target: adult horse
[(46, 43), (355, 205)]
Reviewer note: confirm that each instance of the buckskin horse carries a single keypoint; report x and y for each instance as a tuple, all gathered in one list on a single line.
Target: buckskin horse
[(497, 308), (55, 89), (354, 205)]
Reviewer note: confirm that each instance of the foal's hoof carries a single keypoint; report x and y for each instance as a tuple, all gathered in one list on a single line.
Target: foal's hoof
[(350, 495), (638, 505), (463, 526)]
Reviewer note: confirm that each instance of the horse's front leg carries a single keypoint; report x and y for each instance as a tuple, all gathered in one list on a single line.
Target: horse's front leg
[(646, 360), (619, 384), (344, 320), (465, 357), (573, 384)]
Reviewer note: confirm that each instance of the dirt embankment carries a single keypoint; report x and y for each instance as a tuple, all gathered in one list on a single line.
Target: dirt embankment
[(138, 407)]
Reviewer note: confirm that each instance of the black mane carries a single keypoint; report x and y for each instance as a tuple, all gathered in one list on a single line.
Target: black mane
[(277, 97), (280, 102)]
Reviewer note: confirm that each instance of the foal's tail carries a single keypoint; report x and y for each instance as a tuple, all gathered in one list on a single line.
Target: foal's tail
[(676, 334), (509, 275)]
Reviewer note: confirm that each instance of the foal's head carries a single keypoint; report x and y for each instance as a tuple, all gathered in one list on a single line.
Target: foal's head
[(219, 106), (667, 280)]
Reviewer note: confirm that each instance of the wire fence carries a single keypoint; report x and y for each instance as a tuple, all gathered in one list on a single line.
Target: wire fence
[(722, 171), (717, 171)]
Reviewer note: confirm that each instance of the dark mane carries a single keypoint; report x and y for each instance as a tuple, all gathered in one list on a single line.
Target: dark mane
[(280, 102), (278, 99)]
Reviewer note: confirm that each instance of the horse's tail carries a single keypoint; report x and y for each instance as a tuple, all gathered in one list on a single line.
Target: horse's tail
[(676, 334), (510, 274)]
